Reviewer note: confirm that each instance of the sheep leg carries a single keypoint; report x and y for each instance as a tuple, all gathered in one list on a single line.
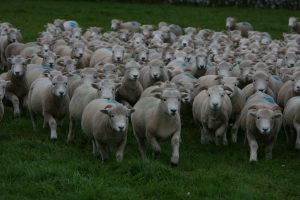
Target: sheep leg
[(235, 129), (268, 151), (175, 146), (221, 135), (15, 102), (52, 124), (253, 147), (95, 148), (103, 153), (204, 135), (142, 147), (297, 143), (72, 127), (155, 146), (33, 119), (120, 150)]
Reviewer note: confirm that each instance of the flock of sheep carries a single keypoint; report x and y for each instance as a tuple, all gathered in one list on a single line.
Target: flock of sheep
[(155, 75)]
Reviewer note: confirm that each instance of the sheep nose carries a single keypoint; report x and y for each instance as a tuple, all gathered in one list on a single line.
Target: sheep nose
[(135, 76), (121, 128), (143, 59), (61, 93), (155, 75), (291, 65), (184, 44), (215, 105), (17, 73), (202, 66), (118, 58), (81, 54), (51, 64), (173, 111), (261, 90), (107, 98), (265, 130)]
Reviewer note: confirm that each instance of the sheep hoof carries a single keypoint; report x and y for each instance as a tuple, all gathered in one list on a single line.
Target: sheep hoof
[(174, 164)]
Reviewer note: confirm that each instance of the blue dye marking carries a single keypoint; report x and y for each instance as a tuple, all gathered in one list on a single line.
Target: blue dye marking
[(276, 77), (189, 75), (73, 24), (269, 99), (181, 64), (44, 67), (134, 23), (112, 101)]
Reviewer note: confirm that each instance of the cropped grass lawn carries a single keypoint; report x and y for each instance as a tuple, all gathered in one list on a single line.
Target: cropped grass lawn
[(33, 167)]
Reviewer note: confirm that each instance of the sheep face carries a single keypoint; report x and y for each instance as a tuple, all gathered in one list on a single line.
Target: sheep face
[(156, 71), (215, 97), (118, 117), (124, 35), (12, 35), (296, 81), (168, 56), (265, 119), (3, 85), (260, 82), (76, 33), (18, 65), (292, 22), (185, 41), (89, 75), (189, 90), (45, 48), (59, 86), (230, 22), (118, 53), (70, 65), (291, 59), (230, 83), (201, 61), (224, 69), (143, 55), (132, 70), (115, 24), (110, 69), (170, 101), (138, 39), (106, 88), (78, 50), (49, 59)]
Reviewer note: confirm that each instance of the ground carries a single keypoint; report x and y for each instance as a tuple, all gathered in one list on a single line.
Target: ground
[(33, 167)]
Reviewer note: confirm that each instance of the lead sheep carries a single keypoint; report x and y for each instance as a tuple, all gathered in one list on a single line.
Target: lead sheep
[(261, 119), (158, 118), (106, 124), (48, 98), (212, 110)]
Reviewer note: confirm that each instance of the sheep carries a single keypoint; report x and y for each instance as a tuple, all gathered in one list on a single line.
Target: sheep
[(155, 71), (260, 83), (212, 109), (131, 88), (237, 100), (223, 68), (244, 27), (289, 89), (107, 55), (5, 40), (17, 89), (3, 85), (294, 25), (158, 118), (87, 75), (132, 26), (70, 25), (65, 64), (84, 94), (147, 30), (261, 119), (291, 121), (105, 122), (48, 98)]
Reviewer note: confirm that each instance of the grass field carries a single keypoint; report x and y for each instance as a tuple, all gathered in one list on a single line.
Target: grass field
[(33, 167)]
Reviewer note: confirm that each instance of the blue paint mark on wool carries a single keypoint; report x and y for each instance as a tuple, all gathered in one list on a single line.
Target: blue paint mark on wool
[(112, 101), (133, 23), (269, 99), (73, 24), (276, 77), (44, 67)]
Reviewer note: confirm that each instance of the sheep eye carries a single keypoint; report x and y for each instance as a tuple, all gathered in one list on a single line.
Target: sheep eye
[(112, 116), (54, 84), (161, 67), (100, 89), (222, 95), (209, 95), (293, 79), (113, 89), (258, 117), (114, 71), (164, 99)]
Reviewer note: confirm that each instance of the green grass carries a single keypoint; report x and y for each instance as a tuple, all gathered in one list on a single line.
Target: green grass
[(33, 167)]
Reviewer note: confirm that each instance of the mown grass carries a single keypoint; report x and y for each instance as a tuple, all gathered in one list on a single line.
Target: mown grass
[(33, 167)]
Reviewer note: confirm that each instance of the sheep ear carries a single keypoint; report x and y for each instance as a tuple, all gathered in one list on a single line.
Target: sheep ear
[(277, 115), (184, 95), (28, 60), (10, 60), (157, 95), (226, 88), (252, 114), (95, 85), (219, 77), (105, 111)]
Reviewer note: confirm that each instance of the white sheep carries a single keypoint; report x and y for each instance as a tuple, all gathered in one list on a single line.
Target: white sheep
[(48, 98), (290, 89), (261, 119), (155, 71), (84, 94), (212, 109), (106, 124), (131, 88), (17, 89), (244, 27), (158, 118), (291, 121), (132, 26), (107, 55), (294, 25), (3, 85)]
